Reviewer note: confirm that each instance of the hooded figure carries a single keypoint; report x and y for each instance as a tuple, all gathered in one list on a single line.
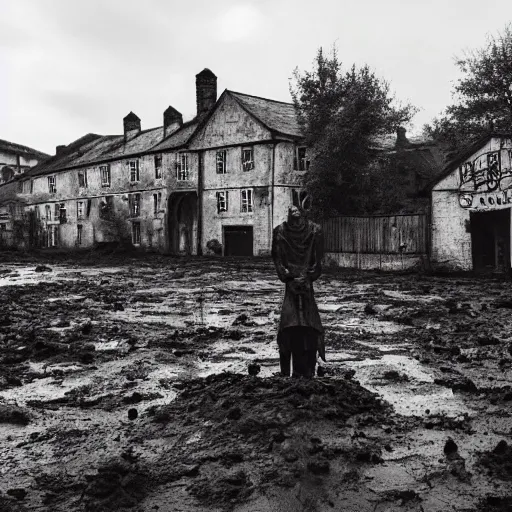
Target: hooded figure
[(297, 251)]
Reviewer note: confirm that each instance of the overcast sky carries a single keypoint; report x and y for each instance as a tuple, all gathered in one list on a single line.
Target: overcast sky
[(70, 67)]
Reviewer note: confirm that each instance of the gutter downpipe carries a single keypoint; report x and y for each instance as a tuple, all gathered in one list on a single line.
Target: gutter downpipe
[(200, 203), (273, 178)]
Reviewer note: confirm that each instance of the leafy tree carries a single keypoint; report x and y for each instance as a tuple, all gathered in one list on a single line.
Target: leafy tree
[(344, 113), (482, 96)]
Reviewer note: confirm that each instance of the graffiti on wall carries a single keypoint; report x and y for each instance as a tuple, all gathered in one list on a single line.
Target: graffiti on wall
[(486, 180)]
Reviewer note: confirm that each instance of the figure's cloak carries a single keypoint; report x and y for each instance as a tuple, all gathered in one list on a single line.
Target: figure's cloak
[(297, 251)]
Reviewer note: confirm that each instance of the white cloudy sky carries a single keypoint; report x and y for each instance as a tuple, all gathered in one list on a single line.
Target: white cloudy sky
[(70, 67)]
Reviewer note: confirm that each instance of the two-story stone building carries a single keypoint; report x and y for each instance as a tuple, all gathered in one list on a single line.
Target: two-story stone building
[(228, 175), (15, 161)]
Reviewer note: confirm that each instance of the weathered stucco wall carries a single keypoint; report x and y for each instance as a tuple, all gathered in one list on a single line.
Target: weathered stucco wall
[(450, 232), (229, 125), (153, 226)]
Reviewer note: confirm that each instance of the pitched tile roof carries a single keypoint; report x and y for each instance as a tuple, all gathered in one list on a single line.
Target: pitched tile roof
[(278, 116), (12, 147), (93, 149), (179, 138)]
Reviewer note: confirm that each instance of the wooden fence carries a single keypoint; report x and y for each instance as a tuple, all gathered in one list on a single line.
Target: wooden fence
[(395, 234)]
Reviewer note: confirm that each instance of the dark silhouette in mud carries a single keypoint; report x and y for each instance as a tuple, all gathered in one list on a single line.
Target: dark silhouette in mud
[(297, 251)]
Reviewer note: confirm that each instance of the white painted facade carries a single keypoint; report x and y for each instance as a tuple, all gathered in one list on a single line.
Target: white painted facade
[(479, 184)]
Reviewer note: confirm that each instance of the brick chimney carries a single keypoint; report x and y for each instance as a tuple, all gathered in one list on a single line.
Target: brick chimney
[(60, 150), (206, 91), (401, 138), (172, 121), (131, 125)]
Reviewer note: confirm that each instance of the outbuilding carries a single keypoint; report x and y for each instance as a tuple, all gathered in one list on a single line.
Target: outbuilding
[(471, 205)]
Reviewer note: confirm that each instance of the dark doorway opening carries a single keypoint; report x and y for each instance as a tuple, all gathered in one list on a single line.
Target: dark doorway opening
[(490, 240), (238, 241), (182, 223)]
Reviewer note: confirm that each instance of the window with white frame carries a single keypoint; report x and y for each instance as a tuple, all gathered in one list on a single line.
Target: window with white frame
[(80, 210), (222, 201), (48, 212), (134, 170), (134, 205), (82, 179), (300, 160), (136, 233), (79, 232), (248, 159), (105, 175), (52, 184), (221, 162), (158, 166), (157, 202), (182, 167), (246, 200)]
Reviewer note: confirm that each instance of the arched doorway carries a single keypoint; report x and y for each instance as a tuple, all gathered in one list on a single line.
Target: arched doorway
[(182, 223)]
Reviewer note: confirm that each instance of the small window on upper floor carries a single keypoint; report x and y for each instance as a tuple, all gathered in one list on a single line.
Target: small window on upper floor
[(52, 185), (134, 205), (134, 170), (300, 159), (222, 201), (182, 167), (105, 175), (246, 205), (221, 162), (248, 159), (158, 166), (80, 210), (82, 179)]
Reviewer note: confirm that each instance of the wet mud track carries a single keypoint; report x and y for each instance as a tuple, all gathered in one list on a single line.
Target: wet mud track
[(124, 385)]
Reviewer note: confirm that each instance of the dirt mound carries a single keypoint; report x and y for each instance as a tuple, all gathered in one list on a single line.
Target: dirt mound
[(239, 433), (499, 461)]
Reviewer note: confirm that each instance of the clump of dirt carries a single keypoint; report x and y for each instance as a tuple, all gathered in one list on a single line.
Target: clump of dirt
[(496, 504), (499, 461), (116, 486), (245, 432), (13, 414)]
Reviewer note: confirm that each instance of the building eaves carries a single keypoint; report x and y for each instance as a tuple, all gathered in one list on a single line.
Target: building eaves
[(465, 152), (12, 147)]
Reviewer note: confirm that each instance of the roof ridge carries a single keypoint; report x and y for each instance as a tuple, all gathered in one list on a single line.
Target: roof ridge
[(23, 147), (260, 97)]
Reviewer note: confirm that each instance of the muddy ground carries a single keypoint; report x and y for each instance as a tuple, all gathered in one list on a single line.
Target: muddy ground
[(124, 385)]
